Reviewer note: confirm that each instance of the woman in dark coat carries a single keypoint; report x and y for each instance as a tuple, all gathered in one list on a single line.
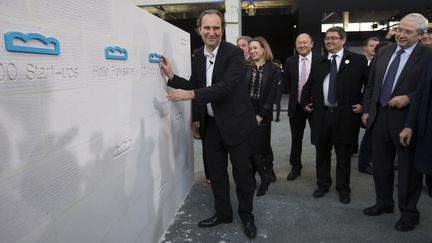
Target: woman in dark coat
[(262, 76)]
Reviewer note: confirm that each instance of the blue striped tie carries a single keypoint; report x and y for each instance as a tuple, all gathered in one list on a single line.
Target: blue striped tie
[(389, 79)]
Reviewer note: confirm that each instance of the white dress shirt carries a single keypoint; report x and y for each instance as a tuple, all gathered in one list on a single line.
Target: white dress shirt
[(403, 60), (326, 82), (308, 68), (210, 61)]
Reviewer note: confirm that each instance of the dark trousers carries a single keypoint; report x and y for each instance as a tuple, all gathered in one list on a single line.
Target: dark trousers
[(297, 125), (323, 156), (365, 153), (355, 145), (260, 142), (204, 160), (385, 141), (277, 101), (216, 154)]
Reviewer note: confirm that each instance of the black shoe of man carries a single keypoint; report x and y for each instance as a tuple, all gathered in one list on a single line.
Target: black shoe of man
[(250, 229), (344, 197), (319, 192), (213, 221), (293, 175), (377, 210), (406, 224)]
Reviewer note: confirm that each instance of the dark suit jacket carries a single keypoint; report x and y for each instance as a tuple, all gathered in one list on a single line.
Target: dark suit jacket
[(268, 89), (351, 77), (228, 94), (420, 118), (292, 78), (406, 84)]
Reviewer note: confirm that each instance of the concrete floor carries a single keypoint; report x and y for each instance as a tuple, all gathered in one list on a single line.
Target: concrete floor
[(289, 213)]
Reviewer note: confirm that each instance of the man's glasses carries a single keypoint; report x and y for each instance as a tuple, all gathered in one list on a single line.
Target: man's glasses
[(404, 31), (333, 38)]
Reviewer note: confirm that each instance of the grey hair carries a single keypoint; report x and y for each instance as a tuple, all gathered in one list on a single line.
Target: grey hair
[(420, 19), (244, 37)]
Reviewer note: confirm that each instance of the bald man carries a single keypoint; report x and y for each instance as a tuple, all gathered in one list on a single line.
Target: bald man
[(298, 68)]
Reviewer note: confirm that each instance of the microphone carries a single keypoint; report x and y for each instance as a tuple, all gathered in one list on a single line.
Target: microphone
[(211, 62)]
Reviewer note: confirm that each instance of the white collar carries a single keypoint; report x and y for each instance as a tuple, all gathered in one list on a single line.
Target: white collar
[(407, 50), (212, 54), (308, 56), (339, 54)]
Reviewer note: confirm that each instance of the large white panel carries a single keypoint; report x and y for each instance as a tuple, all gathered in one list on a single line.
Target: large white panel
[(82, 15), (90, 150), (20, 9), (21, 131)]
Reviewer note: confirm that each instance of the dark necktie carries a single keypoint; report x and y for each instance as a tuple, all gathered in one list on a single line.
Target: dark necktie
[(332, 81), (390, 78)]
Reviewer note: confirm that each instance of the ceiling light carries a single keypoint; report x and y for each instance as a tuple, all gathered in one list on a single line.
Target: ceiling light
[(251, 9)]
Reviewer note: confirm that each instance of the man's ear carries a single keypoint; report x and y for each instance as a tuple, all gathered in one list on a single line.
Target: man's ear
[(344, 40)]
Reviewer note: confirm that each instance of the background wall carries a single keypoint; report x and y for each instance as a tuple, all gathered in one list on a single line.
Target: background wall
[(90, 148), (277, 29), (310, 12)]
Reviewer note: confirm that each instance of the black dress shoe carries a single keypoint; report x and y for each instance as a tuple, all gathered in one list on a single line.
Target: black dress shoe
[(367, 170), (250, 230), (319, 192), (405, 224), (344, 197), (376, 210), (293, 175), (213, 221)]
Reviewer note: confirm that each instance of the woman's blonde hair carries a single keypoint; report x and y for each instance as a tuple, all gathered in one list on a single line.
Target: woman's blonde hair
[(268, 55)]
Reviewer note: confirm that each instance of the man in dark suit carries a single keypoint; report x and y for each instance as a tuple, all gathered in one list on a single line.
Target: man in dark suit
[(365, 152), (420, 112), (226, 118), (427, 41), (298, 68), (333, 95), (392, 83)]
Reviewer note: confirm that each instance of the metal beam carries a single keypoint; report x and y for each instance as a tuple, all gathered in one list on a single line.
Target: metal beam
[(163, 2)]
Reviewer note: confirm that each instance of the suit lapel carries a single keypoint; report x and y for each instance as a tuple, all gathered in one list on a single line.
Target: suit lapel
[(411, 62), (218, 65), (201, 68), (386, 59), (325, 64), (295, 71), (248, 73), (344, 61), (264, 78)]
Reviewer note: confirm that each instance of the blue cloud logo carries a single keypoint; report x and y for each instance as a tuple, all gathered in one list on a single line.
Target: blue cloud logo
[(115, 52), (154, 57), (10, 46)]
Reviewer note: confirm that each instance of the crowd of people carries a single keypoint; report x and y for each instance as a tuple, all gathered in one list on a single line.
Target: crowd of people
[(387, 91)]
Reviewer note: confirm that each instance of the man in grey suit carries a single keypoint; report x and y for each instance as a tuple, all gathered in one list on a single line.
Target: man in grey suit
[(392, 84)]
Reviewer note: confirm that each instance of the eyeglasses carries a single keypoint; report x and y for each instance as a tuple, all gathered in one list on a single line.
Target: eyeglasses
[(333, 38), (406, 32)]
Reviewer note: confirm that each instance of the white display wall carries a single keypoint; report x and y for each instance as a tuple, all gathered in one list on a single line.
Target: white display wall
[(90, 148)]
